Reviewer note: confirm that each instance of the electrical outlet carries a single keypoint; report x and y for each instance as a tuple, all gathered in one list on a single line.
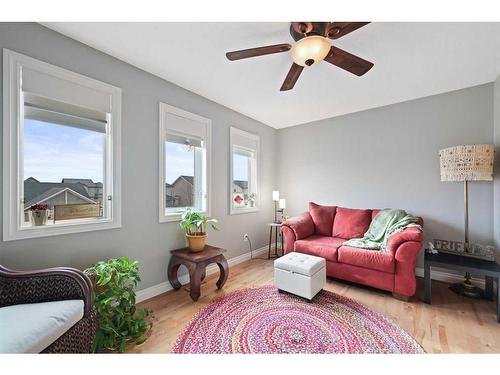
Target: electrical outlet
[(245, 237)]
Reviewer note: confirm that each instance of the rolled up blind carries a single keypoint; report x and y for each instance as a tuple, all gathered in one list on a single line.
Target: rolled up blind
[(183, 140), (49, 86), (51, 99), (47, 110), (243, 152), (181, 125), (245, 142)]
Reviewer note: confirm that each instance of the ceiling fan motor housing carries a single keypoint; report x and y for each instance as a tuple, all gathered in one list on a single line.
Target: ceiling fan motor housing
[(315, 28)]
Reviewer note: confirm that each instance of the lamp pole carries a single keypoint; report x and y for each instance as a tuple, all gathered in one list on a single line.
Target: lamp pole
[(466, 287), (275, 211), (466, 214)]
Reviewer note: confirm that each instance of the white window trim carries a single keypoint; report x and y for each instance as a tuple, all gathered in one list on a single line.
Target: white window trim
[(164, 109), (255, 137), (12, 162)]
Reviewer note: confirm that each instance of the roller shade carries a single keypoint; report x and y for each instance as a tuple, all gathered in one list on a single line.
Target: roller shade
[(47, 110), (186, 126), (48, 86), (45, 115), (243, 152), (182, 140), (244, 141)]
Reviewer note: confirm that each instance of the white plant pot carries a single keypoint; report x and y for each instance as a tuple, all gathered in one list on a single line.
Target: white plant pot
[(39, 217)]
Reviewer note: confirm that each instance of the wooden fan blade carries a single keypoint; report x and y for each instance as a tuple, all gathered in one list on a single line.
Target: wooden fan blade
[(259, 51), (345, 60), (337, 30), (291, 77)]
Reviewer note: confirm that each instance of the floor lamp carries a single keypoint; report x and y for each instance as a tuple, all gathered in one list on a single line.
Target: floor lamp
[(467, 163)]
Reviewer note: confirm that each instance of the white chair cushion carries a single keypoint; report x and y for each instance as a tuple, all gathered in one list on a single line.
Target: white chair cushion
[(303, 264), (30, 328)]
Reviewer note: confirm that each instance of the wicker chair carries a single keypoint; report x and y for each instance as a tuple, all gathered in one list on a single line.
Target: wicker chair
[(54, 284)]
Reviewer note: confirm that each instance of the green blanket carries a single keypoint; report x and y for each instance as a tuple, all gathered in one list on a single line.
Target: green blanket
[(387, 222)]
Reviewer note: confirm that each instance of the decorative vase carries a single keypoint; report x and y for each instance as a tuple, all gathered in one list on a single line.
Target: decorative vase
[(39, 217), (196, 242)]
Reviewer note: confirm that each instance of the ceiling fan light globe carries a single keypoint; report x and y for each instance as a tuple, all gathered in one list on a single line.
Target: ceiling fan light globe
[(310, 48)]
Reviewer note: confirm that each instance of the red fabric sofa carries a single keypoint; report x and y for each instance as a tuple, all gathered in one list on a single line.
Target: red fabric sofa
[(324, 229)]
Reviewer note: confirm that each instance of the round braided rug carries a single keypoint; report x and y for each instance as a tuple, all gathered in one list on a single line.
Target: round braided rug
[(261, 320)]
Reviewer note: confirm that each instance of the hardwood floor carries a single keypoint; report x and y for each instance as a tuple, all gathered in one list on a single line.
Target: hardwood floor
[(452, 324)]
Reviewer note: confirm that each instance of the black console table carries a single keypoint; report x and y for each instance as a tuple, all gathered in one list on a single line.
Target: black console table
[(490, 271)]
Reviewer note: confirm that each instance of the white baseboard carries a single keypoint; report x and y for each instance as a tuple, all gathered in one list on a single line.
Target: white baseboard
[(448, 277), (165, 286), (152, 291)]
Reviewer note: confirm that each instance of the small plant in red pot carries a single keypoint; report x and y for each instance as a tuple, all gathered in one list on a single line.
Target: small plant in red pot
[(39, 214), (194, 223)]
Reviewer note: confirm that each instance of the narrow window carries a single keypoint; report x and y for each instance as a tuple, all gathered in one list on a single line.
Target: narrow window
[(244, 183), (184, 162)]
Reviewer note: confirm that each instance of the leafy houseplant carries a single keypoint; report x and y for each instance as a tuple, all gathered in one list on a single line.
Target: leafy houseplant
[(120, 323), (39, 214), (194, 223)]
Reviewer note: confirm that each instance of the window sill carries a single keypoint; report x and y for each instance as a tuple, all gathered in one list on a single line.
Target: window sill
[(236, 211), (59, 229), (170, 218), (174, 216)]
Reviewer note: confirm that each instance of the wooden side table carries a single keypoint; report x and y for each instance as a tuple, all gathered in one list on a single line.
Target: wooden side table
[(196, 264), (490, 271), (277, 228)]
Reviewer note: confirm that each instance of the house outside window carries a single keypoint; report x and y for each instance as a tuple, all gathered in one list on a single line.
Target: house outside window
[(244, 176), (62, 143), (184, 176)]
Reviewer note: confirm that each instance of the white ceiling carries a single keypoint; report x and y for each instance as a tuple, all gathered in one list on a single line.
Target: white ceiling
[(412, 60)]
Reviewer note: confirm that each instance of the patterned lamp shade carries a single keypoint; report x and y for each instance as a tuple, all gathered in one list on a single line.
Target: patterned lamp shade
[(467, 163)]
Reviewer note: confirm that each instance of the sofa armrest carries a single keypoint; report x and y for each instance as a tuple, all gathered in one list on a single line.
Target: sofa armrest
[(296, 228), (408, 234), (405, 246), (289, 239), (52, 284), (302, 225)]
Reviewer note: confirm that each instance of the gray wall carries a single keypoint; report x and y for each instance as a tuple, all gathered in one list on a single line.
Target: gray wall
[(141, 236), (388, 157)]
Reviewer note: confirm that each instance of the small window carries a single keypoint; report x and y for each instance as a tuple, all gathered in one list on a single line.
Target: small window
[(244, 183), (63, 134), (184, 162)]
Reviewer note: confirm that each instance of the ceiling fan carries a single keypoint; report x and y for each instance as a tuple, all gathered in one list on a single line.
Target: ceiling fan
[(311, 47)]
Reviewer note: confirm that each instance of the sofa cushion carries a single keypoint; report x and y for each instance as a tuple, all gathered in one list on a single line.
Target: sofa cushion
[(375, 212), (321, 246), (351, 223), (372, 259), (30, 328), (322, 217)]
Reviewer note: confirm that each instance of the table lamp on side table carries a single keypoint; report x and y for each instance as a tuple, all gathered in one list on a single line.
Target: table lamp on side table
[(279, 205), (467, 163)]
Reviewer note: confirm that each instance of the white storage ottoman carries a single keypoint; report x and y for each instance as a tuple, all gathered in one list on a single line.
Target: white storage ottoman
[(300, 274)]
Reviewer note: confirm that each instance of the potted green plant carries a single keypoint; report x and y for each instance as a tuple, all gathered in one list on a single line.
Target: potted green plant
[(39, 214), (120, 323), (194, 224)]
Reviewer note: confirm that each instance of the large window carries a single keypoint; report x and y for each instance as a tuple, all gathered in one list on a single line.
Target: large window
[(244, 183), (61, 131), (184, 162)]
